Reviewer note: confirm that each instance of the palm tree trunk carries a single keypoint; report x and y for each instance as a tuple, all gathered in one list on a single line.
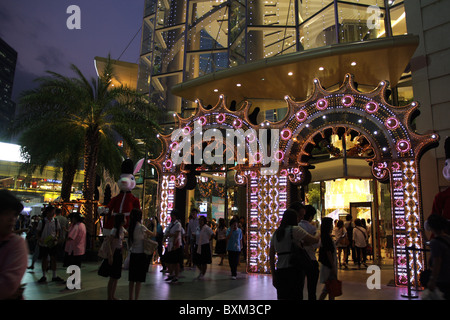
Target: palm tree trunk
[(69, 171), (91, 149)]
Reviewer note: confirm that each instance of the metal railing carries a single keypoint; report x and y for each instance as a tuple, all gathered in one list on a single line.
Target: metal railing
[(416, 288)]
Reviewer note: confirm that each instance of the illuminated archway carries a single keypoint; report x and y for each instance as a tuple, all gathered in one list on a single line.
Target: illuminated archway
[(394, 148)]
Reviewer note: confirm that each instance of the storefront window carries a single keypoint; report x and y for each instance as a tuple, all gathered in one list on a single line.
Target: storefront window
[(361, 20)]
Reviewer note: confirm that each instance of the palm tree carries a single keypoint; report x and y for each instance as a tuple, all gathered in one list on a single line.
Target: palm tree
[(46, 145), (95, 113)]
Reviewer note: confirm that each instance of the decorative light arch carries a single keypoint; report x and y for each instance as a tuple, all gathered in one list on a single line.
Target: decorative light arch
[(395, 154)]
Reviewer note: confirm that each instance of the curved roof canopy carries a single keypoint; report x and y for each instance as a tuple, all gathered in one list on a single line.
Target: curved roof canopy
[(292, 74)]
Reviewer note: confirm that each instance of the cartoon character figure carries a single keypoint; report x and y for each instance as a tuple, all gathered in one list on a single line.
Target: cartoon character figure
[(125, 200), (441, 204)]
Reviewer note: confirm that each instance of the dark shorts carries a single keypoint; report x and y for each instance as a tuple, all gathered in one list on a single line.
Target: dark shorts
[(44, 252)]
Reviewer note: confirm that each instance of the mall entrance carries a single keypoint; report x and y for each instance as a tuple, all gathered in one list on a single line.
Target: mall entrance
[(364, 199), (343, 134)]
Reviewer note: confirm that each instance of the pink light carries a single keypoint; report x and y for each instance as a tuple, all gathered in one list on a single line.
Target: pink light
[(392, 123), (237, 123), (202, 120), (252, 139), (257, 157), (168, 164), (348, 100), (173, 145), (301, 115), (279, 155), (322, 104), (396, 166), (399, 203), (372, 107), (187, 130), (221, 118), (286, 134), (403, 146)]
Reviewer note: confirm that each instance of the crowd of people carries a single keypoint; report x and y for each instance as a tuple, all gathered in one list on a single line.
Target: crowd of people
[(336, 242), (327, 247), (175, 244)]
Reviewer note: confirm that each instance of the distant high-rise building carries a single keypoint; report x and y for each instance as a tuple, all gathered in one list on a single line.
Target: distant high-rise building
[(8, 60)]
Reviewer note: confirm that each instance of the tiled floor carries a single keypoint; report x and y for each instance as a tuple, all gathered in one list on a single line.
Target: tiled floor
[(217, 285)]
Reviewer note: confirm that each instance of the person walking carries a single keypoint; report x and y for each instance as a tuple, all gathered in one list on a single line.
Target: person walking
[(64, 224), (287, 280), (341, 239), (139, 261), (203, 255), (174, 252), (48, 233), (327, 257), (234, 246), (112, 266), (312, 274), (13, 248), (349, 225), (221, 240), (75, 246), (360, 243), (192, 229)]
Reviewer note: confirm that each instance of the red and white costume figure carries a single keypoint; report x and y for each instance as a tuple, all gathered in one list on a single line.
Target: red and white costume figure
[(125, 201), (441, 204)]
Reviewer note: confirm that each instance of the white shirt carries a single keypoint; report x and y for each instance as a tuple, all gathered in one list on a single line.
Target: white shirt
[(311, 249), (298, 233), (192, 228), (174, 227), (138, 239), (117, 242), (51, 227), (204, 235), (359, 236)]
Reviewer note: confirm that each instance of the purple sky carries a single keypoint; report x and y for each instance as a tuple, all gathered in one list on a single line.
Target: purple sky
[(37, 30)]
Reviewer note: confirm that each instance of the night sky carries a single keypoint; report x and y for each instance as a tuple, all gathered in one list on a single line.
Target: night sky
[(37, 30)]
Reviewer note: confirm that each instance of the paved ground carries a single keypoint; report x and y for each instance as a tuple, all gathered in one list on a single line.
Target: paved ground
[(217, 285)]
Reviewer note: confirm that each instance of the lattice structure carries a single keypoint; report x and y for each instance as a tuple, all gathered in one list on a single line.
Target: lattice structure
[(394, 151)]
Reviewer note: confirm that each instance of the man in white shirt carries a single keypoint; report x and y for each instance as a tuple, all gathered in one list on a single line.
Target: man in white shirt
[(192, 230), (48, 232), (174, 252)]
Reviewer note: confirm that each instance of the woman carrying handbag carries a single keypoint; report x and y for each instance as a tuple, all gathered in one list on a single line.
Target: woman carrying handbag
[(287, 279), (139, 260), (328, 259)]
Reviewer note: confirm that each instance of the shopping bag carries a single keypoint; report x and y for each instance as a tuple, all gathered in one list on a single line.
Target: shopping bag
[(334, 287)]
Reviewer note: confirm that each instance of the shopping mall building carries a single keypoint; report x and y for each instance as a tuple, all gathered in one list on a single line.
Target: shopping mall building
[(340, 84)]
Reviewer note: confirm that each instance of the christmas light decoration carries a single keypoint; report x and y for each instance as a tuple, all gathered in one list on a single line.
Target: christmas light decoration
[(395, 152)]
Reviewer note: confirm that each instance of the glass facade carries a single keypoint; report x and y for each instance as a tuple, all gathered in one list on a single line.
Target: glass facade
[(183, 40), (8, 59)]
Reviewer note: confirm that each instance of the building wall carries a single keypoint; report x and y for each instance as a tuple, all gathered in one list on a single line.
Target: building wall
[(8, 60), (430, 67)]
